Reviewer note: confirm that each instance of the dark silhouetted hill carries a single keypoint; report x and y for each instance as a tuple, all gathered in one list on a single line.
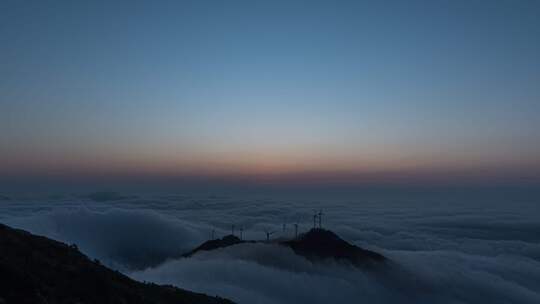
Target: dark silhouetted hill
[(318, 244), (315, 245), (35, 269), (226, 241)]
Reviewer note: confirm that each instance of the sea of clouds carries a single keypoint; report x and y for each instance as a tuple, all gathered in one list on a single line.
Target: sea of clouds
[(444, 249)]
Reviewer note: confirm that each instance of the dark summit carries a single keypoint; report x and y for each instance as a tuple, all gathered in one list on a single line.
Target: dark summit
[(318, 244), (226, 241)]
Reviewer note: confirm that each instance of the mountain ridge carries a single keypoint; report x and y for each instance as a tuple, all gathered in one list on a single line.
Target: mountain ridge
[(315, 245), (38, 270)]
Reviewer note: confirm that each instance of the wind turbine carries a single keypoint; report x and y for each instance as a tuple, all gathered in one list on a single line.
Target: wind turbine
[(295, 231), (315, 219), (320, 218), (268, 234), (241, 232)]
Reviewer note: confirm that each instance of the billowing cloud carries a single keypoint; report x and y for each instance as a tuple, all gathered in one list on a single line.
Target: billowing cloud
[(442, 252), (123, 239)]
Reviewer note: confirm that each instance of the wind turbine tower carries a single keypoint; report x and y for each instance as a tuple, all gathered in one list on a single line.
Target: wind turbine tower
[(268, 234)]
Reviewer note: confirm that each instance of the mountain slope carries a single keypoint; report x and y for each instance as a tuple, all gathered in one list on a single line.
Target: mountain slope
[(323, 244), (35, 269), (226, 241)]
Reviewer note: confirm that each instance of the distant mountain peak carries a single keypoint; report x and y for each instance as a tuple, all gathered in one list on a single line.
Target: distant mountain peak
[(226, 241), (318, 244)]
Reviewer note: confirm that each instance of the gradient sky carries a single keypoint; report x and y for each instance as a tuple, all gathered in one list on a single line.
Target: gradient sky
[(338, 91)]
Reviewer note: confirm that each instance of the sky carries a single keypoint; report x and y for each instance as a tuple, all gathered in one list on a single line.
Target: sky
[(272, 92)]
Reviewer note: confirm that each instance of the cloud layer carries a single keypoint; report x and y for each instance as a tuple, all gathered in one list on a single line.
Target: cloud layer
[(443, 250)]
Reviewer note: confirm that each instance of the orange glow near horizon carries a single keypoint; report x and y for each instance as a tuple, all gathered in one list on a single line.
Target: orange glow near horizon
[(294, 167)]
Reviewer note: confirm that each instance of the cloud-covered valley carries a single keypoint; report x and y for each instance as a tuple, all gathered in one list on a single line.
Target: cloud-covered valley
[(443, 250)]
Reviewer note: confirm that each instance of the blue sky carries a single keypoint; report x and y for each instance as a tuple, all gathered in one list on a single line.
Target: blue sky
[(420, 89)]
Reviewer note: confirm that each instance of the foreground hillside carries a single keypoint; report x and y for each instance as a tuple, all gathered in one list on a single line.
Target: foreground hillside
[(37, 270)]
